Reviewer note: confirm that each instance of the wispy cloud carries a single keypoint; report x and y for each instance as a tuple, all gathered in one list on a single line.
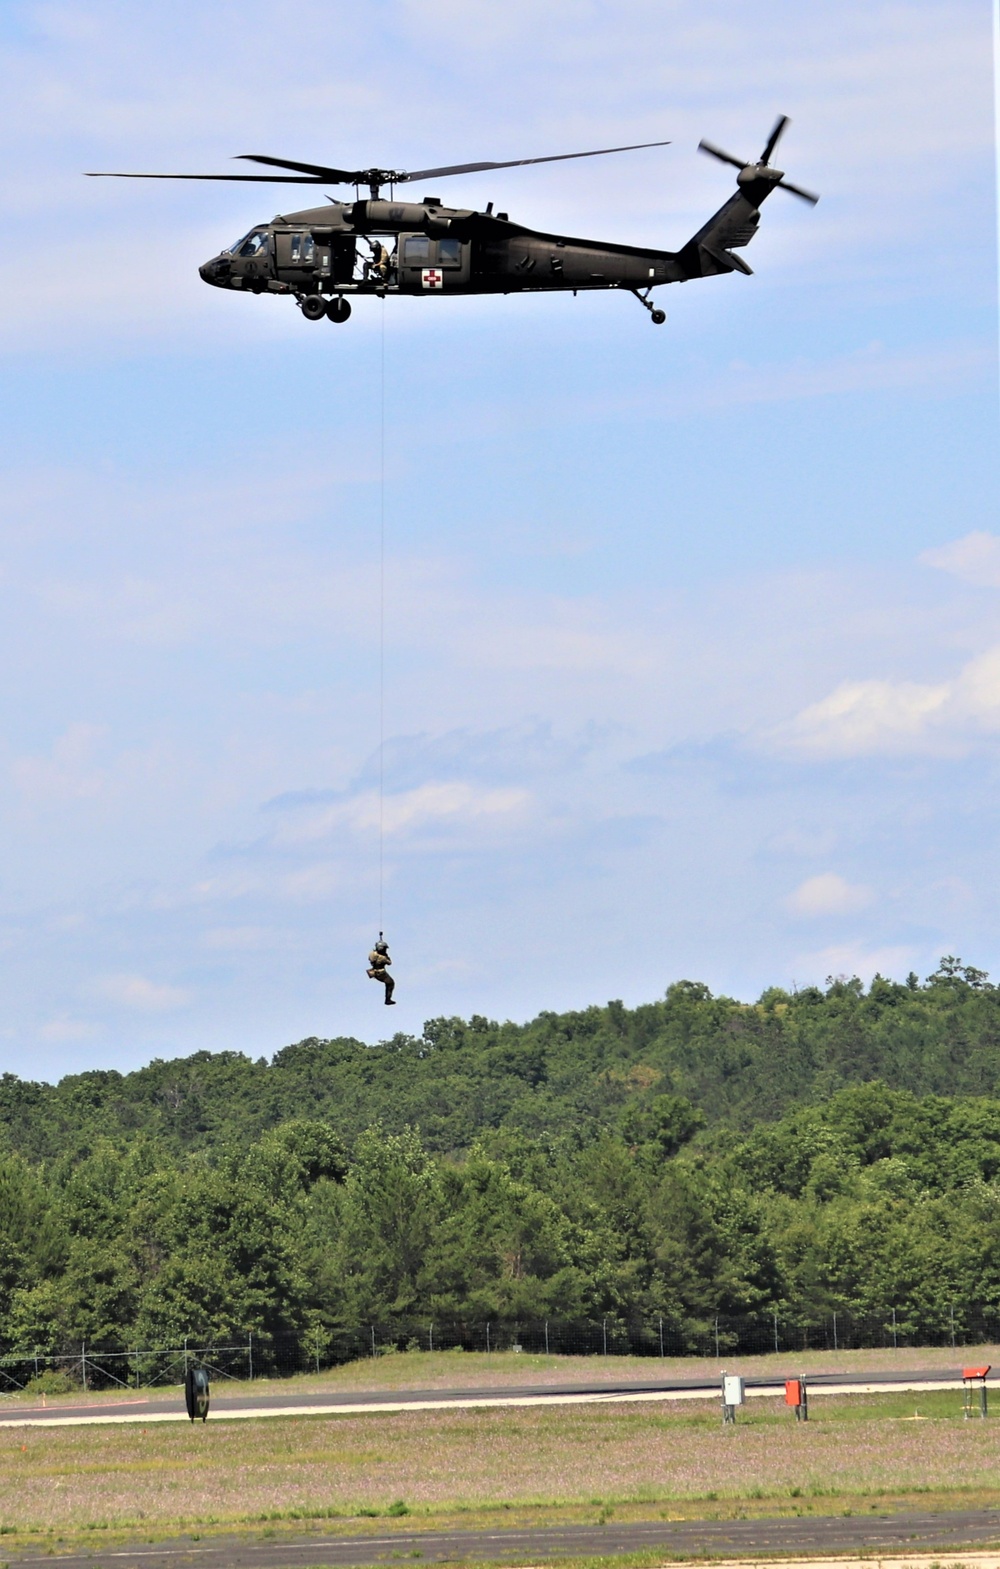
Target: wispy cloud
[(975, 558), (850, 959), (141, 994), (828, 894), (863, 718), (452, 802)]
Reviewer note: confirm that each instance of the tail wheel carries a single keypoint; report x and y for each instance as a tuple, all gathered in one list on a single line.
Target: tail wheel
[(338, 309), (314, 307), (658, 317)]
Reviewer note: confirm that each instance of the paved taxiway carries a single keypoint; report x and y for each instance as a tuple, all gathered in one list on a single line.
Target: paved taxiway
[(170, 1408), (823, 1536)]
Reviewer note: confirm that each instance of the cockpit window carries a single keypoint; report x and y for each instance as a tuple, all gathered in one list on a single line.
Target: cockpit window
[(254, 243)]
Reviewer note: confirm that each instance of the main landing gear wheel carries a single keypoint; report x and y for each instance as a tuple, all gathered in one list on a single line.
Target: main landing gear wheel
[(314, 307), (338, 309)]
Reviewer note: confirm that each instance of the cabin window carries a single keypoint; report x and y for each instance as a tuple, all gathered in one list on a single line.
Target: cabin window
[(450, 253), (303, 250), (416, 250)]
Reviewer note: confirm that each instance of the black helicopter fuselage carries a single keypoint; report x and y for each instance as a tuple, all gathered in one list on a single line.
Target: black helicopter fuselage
[(424, 248), (324, 255)]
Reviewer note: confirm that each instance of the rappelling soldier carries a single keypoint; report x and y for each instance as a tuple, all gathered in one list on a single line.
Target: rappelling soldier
[(378, 969)]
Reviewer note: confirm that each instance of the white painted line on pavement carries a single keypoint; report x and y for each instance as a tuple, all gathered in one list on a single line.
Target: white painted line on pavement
[(465, 1403)]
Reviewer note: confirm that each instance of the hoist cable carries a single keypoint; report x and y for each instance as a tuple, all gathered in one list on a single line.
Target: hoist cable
[(996, 143), (381, 623)]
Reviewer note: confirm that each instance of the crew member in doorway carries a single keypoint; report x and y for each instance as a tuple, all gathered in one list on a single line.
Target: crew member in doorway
[(378, 267), (378, 969)]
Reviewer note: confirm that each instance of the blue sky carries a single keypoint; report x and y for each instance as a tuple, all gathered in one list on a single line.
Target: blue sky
[(693, 633)]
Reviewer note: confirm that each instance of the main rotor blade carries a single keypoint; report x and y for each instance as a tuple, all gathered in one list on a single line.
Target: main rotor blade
[(321, 172), (254, 179), (772, 141), (519, 163), (796, 190), (724, 157)]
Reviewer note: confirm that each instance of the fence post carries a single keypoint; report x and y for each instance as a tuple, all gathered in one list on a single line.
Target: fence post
[(83, 1363), (249, 1351), (952, 1311), (716, 1337), (835, 1332), (775, 1316), (373, 1340), (185, 1357), (546, 1337), (661, 1337), (894, 1346), (430, 1337), (604, 1331), (487, 1335)]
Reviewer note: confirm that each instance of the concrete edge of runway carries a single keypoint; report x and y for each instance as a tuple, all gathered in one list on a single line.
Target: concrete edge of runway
[(465, 1403)]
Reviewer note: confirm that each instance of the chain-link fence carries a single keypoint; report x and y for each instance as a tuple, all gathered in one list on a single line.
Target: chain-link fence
[(254, 1355)]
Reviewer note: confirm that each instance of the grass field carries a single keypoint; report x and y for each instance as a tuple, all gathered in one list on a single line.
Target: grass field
[(516, 1466), (477, 1370)]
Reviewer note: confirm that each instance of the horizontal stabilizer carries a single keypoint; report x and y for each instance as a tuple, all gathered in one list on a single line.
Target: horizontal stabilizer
[(726, 260)]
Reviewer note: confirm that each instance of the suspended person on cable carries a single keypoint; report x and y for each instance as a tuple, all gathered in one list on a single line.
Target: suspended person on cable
[(378, 969)]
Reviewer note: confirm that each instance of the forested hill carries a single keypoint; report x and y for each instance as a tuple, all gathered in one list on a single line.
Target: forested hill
[(567, 1077), (666, 1165)]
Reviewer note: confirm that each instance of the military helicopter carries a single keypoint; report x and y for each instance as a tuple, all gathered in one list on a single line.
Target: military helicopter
[(425, 248)]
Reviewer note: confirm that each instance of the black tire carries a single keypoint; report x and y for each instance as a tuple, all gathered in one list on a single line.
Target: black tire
[(314, 307), (338, 309), (658, 317)]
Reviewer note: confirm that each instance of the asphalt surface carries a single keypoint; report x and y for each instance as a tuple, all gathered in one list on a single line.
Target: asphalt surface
[(140, 1407), (824, 1535)]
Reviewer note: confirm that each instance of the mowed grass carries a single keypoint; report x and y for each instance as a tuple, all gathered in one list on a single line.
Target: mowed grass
[(516, 1466), (499, 1369)]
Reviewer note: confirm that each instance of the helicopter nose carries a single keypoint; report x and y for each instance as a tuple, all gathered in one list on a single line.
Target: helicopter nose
[(215, 271)]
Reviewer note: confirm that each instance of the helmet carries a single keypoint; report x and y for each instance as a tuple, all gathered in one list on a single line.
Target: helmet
[(381, 947)]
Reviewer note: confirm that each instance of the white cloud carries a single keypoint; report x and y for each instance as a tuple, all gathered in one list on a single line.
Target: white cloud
[(855, 959), (828, 894), (975, 558), (865, 718), (453, 801), (145, 996), (64, 1029), (68, 772)]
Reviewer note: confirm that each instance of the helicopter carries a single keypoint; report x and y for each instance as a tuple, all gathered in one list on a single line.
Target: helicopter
[(318, 256)]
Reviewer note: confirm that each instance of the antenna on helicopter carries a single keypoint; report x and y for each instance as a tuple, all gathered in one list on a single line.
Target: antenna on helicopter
[(756, 171)]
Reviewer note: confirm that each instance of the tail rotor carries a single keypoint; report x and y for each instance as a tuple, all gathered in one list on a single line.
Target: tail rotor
[(749, 172)]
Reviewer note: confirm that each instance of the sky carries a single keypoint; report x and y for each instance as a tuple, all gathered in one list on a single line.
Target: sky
[(692, 632)]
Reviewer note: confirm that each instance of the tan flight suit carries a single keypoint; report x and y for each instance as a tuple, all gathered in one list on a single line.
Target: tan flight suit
[(378, 969), (378, 267)]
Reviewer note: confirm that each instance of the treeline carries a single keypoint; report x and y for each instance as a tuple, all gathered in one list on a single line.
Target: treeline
[(818, 1151)]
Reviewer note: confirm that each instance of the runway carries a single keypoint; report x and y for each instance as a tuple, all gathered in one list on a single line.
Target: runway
[(170, 1407), (901, 1535)]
